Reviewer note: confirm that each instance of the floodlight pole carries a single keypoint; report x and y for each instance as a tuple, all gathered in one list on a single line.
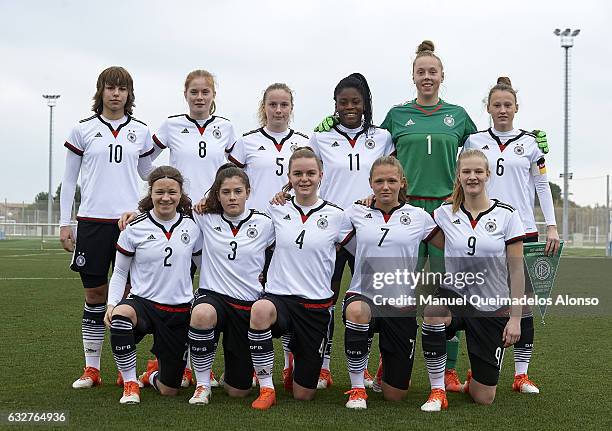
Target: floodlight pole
[(567, 41), (51, 101)]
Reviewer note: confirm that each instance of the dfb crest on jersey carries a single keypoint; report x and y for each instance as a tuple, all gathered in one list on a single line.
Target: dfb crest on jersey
[(405, 219), (322, 223), (216, 133), (80, 259), (293, 147), (449, 121), (185, 238), (369, 143), (490, 226), (131, 137), (519, 150), (252, 232)]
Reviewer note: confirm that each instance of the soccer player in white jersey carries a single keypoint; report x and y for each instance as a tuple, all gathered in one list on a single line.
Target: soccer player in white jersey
[(483, 247), (518, 171), (264, 153), (388, 235), (233, 253), (109, 150), (298, 296), (347, 152), (156, 249), (197, 141)]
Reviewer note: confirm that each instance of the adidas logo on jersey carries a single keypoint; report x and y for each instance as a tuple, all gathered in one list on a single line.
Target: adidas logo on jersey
[(368, 215), (335, 144), (98, 135), (150, 237), (261, 148), (457, 221), (486, 147), (409, 122), (185, 130), (218, 228), (287, 217)]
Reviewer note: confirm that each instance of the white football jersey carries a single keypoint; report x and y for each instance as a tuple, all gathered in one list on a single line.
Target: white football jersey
[(478, 245), (109, 174), (387, 239), (233, 255), (265, 159), (305, 251), (348, 155), (161, 263), (197, 149), (514, 157)]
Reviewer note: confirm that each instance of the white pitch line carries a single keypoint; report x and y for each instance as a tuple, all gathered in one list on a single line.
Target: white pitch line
[(34, 254), (38, 278)]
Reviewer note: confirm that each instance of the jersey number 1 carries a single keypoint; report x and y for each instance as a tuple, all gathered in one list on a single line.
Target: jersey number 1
[(428, 144)]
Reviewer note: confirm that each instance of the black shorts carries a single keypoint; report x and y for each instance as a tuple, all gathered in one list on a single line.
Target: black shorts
[(94, 253), (169, 325), (528, 285), (483, 336), (397, 339), (309, 322), (233, 317), (342, 257)]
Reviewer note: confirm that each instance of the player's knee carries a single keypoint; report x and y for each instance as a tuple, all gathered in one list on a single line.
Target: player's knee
[(262, 314), (358, 312), (485, 398), (125, 311), (304, 394), (96, 295), (204, 316), (167, 391), (236, 393), (435, 315)]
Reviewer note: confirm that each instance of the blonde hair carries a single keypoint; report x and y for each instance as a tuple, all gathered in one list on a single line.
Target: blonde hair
[(458, 196), (392, 161), (503, 84), (200, 73), (261, 111), (426, 49)]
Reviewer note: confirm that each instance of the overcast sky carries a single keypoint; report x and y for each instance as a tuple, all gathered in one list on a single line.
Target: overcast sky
[(61, 47)]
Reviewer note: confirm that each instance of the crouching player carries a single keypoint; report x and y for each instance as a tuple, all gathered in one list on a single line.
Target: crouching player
[(388, 234), (156, 249), (476, 233), (234, 243)]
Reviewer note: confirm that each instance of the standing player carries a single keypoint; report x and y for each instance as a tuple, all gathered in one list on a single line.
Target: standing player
[(477, 234), (388, 234), (233, 253), (109, 150), (156, 249), (518, 167), (348, 151), (264, 153), (298, 295), (198, 141)]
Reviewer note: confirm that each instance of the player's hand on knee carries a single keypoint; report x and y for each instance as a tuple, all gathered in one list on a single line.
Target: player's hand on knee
[(512, 331), (541, 140), (280, 198), (327, 123), (553, 242), (108, 315), (67, 238), (199, 207), (125, 219)]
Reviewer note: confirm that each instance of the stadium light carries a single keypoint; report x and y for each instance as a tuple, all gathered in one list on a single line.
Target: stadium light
[(567, 41), (51, 102)]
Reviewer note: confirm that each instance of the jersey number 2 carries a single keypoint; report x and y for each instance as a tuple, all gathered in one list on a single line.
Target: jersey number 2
[(169, 251)]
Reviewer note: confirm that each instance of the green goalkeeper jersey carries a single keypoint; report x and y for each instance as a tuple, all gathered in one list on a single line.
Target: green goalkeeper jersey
[(427, 139)]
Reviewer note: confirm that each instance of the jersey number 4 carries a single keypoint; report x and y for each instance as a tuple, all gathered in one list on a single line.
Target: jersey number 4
[(300, 239)]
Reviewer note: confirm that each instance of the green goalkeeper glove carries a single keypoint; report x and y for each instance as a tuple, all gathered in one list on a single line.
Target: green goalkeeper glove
[(327, 123), (541, 140)]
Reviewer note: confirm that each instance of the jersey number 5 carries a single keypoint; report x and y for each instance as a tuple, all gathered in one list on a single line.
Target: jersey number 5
[(279, 163)]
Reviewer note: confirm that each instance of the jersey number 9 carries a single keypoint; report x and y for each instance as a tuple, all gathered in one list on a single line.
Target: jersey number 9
[(472, 245)]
